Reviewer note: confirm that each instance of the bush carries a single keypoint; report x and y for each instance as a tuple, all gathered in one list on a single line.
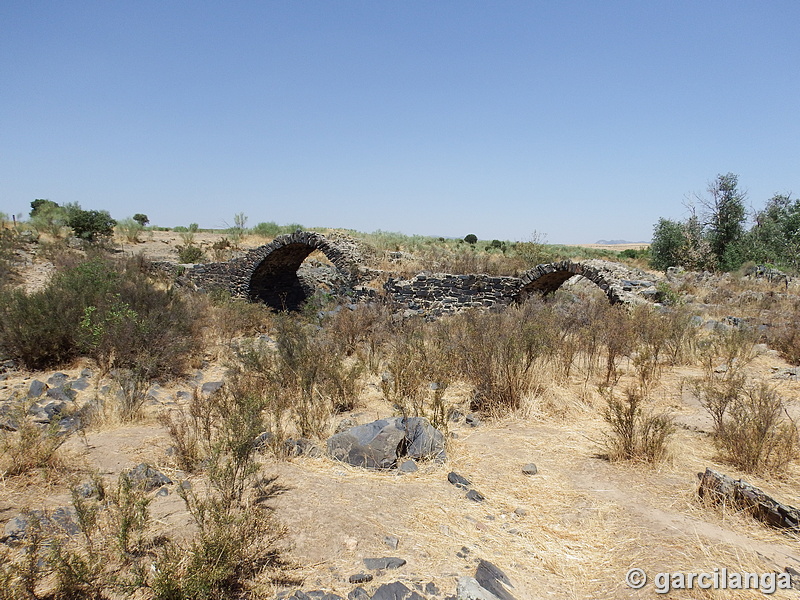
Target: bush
[(190, 254), (635, 433), (91, 225), (471, 238), (130, 229), (752, 428), (107, 311)]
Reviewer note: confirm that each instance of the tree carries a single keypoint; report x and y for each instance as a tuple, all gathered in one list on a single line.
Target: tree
[(48, 216), (471, 238), (667, 244), (42, 204), (90, 225), (775, 237), (141, 219), (725, 217)]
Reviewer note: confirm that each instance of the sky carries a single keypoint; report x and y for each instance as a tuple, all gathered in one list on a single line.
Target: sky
[(577, 120)]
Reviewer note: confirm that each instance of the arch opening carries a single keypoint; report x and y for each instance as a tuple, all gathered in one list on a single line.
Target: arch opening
[(276, 281)]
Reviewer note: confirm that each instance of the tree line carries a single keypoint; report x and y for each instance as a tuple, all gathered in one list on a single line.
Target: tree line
[(716, 237)]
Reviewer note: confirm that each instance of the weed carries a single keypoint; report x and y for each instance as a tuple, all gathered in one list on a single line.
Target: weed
[(30, 447)]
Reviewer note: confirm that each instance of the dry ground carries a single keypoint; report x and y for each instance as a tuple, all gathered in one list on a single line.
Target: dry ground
[(572, 531)]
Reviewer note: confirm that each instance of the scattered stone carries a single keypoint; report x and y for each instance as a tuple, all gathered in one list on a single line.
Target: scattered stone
[(37, 388), (473, 420), (87, 373), (63, 393), (475, 496), (358, 594), (302, 447), (431, 589), (79, 384), (520, 512), (395, 591), (209, 387), (379, 445), (457, 480), (469, 589), (391, 541), (147, 477), (262, 441), (162, 491), (491, 578), (186, 485), (57, 379), (408, 466), (794, 576), (530, 469), (62, 520), (44, 410), (389, 562), (87, 490), (455, 415), (361, 578)]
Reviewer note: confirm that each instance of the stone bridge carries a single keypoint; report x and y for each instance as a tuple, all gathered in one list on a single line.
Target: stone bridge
[(275, 274)]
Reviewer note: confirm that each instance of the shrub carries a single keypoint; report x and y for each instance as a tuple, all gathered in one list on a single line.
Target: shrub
[(91, 225), (190, 253), (752, 428), (636, 434), (130, 229), (30, 447), (471, 238), (108, 311)]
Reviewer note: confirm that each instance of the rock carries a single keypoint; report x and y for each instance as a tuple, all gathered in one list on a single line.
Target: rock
[(87, 490), (87, 373), (469, 589), (45, 410), (408, 466), (57, 379), (530, 469), (64, 393), (147, 477), (262, 441), (395, 591), (37, 388), (491, 578), (391, 541), (475, 496), (374, 564), (301, 447), (473, 420), (358, 594), (520, 512), (79, 384), (457, 480), (62, 520), (162, 491), (345, 424), (431, 589), (209, 387), (379, 445), (361, 578)]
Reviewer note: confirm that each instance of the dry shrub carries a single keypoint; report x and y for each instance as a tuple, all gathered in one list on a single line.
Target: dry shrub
[(752, 428), (636, 433), (30, 447), (784, 334)]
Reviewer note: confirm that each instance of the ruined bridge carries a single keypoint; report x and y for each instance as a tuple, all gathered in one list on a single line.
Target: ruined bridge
[(276, 275)]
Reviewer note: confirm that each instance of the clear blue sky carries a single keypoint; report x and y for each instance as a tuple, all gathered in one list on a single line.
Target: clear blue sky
[(579, 120)]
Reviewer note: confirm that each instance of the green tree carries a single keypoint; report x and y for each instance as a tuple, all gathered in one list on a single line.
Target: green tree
[(141, 219), (48, 216), (91, 225), (667, 245), (725, 220), (471, 238), (775, 237)]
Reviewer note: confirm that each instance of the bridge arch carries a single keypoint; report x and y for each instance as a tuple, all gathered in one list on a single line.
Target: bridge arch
[(270, 272), (547, 278)]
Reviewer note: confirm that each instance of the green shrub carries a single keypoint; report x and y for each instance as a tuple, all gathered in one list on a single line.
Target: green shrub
[(471, 238), (105, 310), (91, 225), (190, 253), (130, 228)]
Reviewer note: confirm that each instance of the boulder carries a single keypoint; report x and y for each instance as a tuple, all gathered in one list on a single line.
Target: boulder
[(379, 445)]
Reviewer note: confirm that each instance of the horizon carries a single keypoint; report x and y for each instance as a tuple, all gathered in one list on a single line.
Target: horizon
[(579, 121)]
